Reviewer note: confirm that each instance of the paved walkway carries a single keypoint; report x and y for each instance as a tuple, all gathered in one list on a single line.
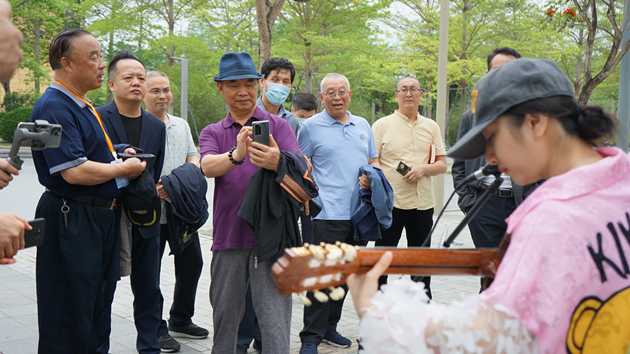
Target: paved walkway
[(18, 310)]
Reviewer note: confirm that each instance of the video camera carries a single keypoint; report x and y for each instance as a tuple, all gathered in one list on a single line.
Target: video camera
[(37, 135)]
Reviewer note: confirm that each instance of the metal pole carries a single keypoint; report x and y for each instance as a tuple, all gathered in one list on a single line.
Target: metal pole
[(194, 123), (438, 181), (483, 199), (184, 88), (623, 108), (184, 101)]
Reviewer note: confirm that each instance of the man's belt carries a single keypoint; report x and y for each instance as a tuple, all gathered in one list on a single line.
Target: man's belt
[(110, 204), (505, 192)]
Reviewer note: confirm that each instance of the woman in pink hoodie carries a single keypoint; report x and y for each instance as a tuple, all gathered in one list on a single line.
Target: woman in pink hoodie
[(563, 285)]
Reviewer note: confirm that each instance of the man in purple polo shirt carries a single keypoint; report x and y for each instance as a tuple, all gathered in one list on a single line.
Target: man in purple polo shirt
[(229, 155)]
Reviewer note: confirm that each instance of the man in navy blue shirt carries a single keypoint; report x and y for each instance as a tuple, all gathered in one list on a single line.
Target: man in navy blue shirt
[(83, 183), (127, 122)]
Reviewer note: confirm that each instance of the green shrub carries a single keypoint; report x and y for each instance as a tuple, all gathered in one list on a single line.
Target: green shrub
[(9, 122), (16, 100)]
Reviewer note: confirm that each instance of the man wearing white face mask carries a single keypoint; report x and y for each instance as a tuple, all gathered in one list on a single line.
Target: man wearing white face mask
[(279, 74)]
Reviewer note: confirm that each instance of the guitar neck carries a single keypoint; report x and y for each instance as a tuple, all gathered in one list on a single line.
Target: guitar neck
[(299, 269), (481, 262)]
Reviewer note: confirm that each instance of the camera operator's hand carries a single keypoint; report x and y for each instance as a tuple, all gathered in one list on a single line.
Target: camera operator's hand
[(11, 236), (6, 170), (10, 41)]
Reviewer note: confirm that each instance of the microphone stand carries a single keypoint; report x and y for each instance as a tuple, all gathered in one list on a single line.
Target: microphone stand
[(475, 209)]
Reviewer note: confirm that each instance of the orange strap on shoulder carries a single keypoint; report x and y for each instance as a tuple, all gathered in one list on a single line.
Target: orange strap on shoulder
[(98, 117)]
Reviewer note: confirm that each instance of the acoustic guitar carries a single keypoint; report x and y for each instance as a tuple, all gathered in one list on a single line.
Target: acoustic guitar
[(314, 267)]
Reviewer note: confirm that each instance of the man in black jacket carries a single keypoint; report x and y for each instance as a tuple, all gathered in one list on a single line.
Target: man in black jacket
[(272, 202), (488, 226), (127, 122)]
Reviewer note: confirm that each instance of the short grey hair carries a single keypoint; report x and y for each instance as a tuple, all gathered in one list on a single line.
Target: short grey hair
[(408, 77), (155, 73), (334, 76)]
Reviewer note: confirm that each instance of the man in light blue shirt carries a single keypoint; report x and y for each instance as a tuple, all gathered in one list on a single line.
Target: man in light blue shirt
[(338, 143)]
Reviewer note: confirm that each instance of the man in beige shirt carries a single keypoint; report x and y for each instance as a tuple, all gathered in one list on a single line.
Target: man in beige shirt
[(406, 136)]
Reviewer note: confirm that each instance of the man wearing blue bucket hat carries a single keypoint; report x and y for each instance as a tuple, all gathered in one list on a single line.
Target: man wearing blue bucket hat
[(230, 156)]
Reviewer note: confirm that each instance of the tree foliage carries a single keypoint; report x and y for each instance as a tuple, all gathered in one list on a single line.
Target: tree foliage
[(596, 28), (39, 21), (374, 43)]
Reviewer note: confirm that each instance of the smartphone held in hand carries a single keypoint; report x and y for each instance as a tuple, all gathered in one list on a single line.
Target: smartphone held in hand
[(35, 236), (261, 132), (402, 168)]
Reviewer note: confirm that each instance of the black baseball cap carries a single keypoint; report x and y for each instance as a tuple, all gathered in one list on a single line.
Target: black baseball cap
[(511, 84), (141, 201)]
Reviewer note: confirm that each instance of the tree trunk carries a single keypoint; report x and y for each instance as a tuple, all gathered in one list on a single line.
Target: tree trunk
[(228, 21), (308, 58), (578, 68), (38, 35), (140, 30), (590, 41), (110, 54), (429, 110), (612, 60), (266, 15), (171, 29), (7, 87), (462, 103)]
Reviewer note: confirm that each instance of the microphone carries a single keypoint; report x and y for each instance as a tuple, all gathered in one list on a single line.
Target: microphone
[(486, 170)]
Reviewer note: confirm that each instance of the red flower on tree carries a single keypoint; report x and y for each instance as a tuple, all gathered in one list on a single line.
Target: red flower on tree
[(550, 12), (569, 12)]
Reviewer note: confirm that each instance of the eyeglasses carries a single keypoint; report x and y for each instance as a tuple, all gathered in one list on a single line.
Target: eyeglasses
[(157, 91), (412, 90), (332, 95)]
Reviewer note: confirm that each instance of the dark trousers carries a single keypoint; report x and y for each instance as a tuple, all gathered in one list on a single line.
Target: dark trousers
[(249, 328), (307, 226), (188, 267), (70, 272), (321, 318), (417, 225), (488, 227), (146, 294)]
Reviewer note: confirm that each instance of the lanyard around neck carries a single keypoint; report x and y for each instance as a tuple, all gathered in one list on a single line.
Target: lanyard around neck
[(98, 117)]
